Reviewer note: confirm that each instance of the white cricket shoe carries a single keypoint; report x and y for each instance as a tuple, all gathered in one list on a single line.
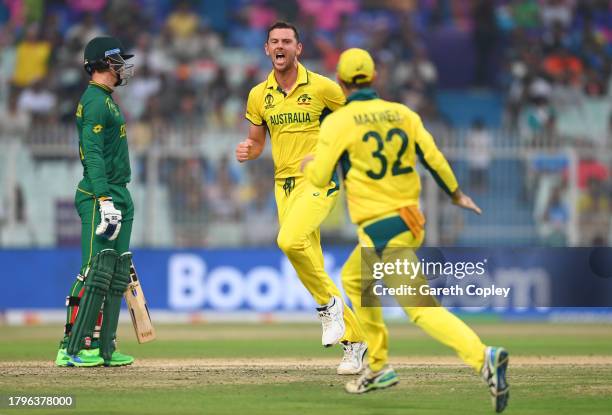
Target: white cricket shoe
[(332, 319), (494, 374), (352, 361)]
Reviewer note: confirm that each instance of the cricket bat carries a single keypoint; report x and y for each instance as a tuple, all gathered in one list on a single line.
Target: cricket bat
[(139, 311)]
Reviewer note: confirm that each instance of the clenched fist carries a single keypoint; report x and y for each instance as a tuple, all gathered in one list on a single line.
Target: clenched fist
[(243, 150)]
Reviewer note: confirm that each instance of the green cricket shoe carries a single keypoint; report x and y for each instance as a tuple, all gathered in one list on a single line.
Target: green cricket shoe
[(86, 358), (62, 358), (369, 381), (119, 359)]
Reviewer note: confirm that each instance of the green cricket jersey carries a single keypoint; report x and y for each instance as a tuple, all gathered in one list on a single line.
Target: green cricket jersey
[(103, 143)]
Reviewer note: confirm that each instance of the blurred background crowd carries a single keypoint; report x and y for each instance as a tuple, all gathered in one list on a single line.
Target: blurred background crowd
[(517, 92)]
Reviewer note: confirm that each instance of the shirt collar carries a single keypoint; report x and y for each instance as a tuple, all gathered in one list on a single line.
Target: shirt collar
[(102, 87), (364, 94), (302, 78)]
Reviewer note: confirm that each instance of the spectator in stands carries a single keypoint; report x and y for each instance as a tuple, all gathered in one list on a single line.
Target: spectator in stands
[(183, 26), (484, 36), (590, 168), (565, 95), (32, 58), (350, 33), (479, 144), (158, 52), (223, 193), (7, 60), (419, 69), (211, 42), (14, 122), (561, 63), (525, 14), (328, 13), (260, 214), (39, 101), (183, 23), (189, 114), (556, 219), (556, 37), (218, 92), (84, 30), (89, 6), (556, 11), (594, 212), (188, 202), (140, 89), (594, 85)]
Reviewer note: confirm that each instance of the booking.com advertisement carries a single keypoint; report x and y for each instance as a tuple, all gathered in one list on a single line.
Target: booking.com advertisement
[(507, 281)]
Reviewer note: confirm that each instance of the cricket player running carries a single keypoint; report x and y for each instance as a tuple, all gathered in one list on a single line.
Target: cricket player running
[(106, 210), (377, 143), (291, 104)]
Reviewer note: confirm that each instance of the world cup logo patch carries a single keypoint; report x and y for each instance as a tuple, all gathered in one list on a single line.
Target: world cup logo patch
[(269, 100)]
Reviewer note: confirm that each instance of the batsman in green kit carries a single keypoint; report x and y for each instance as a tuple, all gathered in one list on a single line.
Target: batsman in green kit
[(106, 210)]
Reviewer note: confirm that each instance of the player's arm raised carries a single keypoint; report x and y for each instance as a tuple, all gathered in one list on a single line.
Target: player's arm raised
[(434, 161), (253, 146)]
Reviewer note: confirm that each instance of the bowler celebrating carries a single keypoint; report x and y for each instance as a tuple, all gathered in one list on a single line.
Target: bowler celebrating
[(291, 104)]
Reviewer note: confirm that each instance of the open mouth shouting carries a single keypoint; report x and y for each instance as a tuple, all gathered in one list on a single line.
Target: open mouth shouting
[(280, 58)]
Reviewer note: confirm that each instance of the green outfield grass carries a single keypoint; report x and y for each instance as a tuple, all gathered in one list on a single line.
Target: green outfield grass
[(214, 369)]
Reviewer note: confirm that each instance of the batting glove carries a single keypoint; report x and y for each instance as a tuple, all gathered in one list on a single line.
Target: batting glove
[(110, 220)]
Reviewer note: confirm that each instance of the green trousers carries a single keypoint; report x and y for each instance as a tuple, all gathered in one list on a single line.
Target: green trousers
[(88, 209)]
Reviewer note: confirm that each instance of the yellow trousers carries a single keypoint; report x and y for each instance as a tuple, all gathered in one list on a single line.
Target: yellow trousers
[(302, 208), (387, 232)]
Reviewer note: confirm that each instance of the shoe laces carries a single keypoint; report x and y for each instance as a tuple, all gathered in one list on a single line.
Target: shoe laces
[(326, 318), (348, 352), (487, 375)]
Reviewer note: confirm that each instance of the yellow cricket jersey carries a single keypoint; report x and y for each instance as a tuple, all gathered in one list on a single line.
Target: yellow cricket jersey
[(377, 143), (293, 119)]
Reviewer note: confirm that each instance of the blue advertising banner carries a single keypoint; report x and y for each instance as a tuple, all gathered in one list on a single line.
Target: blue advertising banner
[(180, 280), (262, 280)]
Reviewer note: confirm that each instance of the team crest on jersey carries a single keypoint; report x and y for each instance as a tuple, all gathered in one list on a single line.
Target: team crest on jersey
[(269, 100), (112, 107), (304, 99)]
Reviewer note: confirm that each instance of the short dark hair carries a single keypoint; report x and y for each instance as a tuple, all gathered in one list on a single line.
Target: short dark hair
[(284, 25), (355, 85)]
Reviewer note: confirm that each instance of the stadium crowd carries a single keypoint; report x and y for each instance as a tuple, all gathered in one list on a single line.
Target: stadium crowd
[(549, 60)]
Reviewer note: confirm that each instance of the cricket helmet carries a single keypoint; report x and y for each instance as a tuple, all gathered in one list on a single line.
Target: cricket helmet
[(106, 52)]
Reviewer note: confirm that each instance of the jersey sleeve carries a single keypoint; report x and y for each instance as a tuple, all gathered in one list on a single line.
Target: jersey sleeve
[(94, 115), (332, 94), (253, 108), (330, 147), (433, 159)]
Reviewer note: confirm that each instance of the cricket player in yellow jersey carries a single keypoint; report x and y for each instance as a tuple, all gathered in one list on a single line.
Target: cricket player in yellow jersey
[(290, 104), (377, 142)]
